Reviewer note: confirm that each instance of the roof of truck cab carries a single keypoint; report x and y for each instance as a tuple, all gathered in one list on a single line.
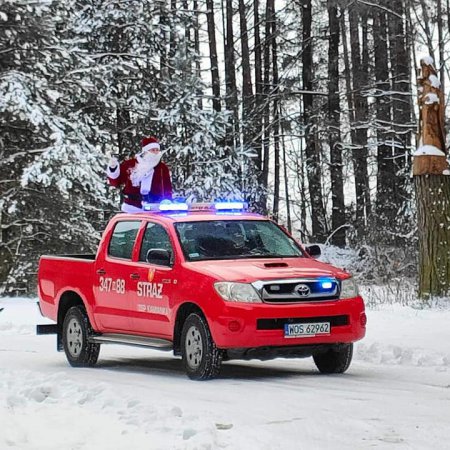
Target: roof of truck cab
[(191, 216)]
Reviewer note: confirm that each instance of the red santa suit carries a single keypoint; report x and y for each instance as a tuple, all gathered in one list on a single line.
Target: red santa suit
[(144, 178)]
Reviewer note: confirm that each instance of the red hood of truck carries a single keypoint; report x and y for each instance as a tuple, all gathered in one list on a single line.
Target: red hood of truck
[(250, 270)]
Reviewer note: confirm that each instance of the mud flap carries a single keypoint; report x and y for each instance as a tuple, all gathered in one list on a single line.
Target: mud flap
[(52, 329)]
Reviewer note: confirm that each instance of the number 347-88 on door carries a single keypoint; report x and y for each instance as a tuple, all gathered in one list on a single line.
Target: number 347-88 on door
[(110, 285)]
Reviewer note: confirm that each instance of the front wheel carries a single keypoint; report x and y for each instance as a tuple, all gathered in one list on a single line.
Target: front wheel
[(201, 358), (76, 331), (336, 360)]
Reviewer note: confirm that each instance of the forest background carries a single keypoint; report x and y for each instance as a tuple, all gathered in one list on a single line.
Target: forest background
[(304, 108)]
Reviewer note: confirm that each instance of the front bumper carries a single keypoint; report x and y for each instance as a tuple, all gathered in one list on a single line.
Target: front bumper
[(262, 325)]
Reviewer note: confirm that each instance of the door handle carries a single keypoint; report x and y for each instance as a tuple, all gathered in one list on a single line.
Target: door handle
[(135, 276), (101, 272)]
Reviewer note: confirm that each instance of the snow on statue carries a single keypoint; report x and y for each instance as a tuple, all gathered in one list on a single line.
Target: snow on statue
[(144, 178)]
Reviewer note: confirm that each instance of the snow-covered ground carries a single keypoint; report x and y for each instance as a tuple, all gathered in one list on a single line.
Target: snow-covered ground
[(396, 394)]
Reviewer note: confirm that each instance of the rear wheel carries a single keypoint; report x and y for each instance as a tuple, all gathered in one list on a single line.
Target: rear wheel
[(76, 331), (201, 358), (336, 360)]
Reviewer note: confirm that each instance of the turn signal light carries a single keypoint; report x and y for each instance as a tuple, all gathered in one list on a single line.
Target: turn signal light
[(363, 319)]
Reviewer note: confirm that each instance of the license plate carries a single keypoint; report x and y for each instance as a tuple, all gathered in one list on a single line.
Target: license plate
[(292, 330)]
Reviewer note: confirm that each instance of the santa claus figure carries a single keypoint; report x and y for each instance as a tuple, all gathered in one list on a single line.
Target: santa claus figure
[(144, 178)]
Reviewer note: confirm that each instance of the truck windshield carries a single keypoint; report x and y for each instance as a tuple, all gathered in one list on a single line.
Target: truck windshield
[(235, 239)]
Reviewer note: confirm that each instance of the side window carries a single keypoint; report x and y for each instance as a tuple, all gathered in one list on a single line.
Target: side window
[(123, 238), (155, 237)]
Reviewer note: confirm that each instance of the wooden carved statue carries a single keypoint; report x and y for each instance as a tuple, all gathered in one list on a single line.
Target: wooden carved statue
[(432, 186), (429, 157)]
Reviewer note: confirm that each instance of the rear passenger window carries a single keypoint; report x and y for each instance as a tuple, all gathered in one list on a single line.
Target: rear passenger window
[(123, 238)]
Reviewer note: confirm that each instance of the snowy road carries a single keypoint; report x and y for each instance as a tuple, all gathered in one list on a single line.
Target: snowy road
[(396, 394)]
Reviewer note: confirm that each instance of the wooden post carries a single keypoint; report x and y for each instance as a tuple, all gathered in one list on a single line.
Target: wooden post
[(432, 183)]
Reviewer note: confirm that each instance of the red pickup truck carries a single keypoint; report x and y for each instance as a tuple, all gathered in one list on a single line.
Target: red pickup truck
[(209, 284)]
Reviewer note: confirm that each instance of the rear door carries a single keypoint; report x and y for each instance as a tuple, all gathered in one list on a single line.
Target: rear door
[(113, 278), (153, 285)]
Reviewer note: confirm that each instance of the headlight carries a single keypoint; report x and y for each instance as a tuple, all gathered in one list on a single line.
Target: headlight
[(349, 289), (237, 292)]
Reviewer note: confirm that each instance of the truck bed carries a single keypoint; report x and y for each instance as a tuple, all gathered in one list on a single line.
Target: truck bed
[(64, 273)]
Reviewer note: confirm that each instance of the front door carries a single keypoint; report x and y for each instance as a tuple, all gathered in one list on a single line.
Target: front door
[(154, 285)]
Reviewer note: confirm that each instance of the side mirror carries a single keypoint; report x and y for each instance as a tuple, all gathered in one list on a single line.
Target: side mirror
[(158, 256), (313, 251)]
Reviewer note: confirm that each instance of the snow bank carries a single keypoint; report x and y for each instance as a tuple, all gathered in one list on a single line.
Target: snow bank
[(408, 336), (395, 392)]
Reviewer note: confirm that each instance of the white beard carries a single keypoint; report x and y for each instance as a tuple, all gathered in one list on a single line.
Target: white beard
[(144, 168)]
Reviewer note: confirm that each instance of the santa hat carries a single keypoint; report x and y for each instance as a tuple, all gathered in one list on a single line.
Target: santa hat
[(148, 143)]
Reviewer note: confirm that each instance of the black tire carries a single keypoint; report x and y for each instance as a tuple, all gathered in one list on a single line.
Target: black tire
[(76, 330), (201, 358), (335, 360)]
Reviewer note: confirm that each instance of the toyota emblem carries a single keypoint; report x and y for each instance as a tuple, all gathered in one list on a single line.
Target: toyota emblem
[(302, 290)]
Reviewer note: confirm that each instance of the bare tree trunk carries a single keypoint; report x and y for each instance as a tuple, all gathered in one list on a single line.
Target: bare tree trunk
[(440, 20), (123, 118), (334, 133), (215, 79), (247, 87), (163, 56), (386, 177), (266, 91), (360, 78), (257, 116), (402, 126), (285, 175), (198, 70), (448, 16), (187, 30), (411, 52), (347, 72), (303, 194), (172, 43), (276, 121), (231, 99), (311, 151)]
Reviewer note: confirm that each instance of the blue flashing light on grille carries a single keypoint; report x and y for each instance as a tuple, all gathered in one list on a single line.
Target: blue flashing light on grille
[(327, 284), (230, 206)]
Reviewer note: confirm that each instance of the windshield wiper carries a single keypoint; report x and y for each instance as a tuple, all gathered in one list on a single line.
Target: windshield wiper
[(243, 256), (270, 255)]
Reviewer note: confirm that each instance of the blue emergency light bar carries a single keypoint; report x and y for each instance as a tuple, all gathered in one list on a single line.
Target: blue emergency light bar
[(230, 206), (167, 205), (182, 207)]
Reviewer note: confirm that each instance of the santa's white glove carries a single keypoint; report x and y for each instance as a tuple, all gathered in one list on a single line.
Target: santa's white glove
[(113, 163)]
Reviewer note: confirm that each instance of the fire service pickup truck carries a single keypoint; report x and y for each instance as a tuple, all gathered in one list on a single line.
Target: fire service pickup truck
[(210, 282)]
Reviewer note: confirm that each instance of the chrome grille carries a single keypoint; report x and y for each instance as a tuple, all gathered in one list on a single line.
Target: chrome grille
[(298, 290)]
